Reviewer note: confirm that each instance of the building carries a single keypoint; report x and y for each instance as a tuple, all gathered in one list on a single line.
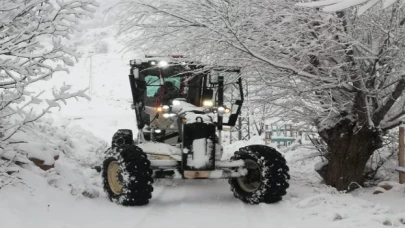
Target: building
[(285, 132)]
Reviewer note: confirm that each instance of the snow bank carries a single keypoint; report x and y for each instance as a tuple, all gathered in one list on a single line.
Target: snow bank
[(78, 151), (45, 140)]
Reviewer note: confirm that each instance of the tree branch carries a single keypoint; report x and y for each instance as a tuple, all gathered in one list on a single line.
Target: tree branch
[(383, 110)]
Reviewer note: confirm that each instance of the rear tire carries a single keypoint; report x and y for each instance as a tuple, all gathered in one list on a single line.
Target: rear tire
[(127, 176), (267, 178)]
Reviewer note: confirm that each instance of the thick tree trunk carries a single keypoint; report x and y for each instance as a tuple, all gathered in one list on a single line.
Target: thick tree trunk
[(348, 152)]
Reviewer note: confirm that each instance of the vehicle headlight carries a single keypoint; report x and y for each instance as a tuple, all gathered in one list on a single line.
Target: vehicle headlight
[(166, 108), (208, 103), (163, 64), (169, 115), (158, 131)]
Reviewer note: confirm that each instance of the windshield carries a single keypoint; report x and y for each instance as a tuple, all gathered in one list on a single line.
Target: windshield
[(154, 93), (153, 89)]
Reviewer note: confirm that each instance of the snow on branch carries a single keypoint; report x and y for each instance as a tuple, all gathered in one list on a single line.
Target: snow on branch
[(338, 5), (316, 66), (32, 48)]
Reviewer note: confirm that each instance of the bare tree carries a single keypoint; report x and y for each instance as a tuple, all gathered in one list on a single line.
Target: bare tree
[(32, 49), (344, 73), (263, 110)]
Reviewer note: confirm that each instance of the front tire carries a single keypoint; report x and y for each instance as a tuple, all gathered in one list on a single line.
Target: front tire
[(127, 176), (122, 137), (267, 178)]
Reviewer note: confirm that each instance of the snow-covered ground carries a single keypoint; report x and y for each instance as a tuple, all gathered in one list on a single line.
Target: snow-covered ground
[(71, 196)]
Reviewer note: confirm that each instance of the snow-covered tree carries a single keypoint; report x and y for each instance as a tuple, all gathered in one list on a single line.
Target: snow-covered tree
[(342, 72), (364, 5), (33, 34)]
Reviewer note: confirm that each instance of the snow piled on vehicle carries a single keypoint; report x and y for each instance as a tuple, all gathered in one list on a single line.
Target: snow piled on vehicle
[(159, 148), (200, 158)]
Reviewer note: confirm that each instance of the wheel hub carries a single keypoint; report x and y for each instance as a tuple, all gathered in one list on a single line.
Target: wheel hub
[(251, 182), (113, 173)]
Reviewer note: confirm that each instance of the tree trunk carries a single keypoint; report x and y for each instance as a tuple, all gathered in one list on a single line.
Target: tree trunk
[(349, 149)]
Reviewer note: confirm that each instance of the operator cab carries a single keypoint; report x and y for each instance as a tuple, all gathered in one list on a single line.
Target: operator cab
[(164, 84), (157, 82)]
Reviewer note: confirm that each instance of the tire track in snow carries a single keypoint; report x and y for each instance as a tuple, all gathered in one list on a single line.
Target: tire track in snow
[(257, 217), (245, 215), (159, 206), (150, 206), (260, 216), (195, 203)]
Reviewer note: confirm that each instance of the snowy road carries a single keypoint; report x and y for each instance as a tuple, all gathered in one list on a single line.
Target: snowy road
[(196, 204), (54, 199)]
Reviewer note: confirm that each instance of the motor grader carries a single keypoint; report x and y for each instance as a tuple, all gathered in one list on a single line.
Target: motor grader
[(181, 108)]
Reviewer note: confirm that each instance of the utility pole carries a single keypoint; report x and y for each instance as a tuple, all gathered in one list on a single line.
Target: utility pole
[(91, 87), (401, 154), (91, 75)]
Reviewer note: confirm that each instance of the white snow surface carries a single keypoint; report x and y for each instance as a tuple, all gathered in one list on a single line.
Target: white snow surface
[(71, 195)]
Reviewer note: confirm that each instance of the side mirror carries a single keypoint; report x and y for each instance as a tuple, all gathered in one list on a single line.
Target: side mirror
[(232, 120), (208, 94)]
